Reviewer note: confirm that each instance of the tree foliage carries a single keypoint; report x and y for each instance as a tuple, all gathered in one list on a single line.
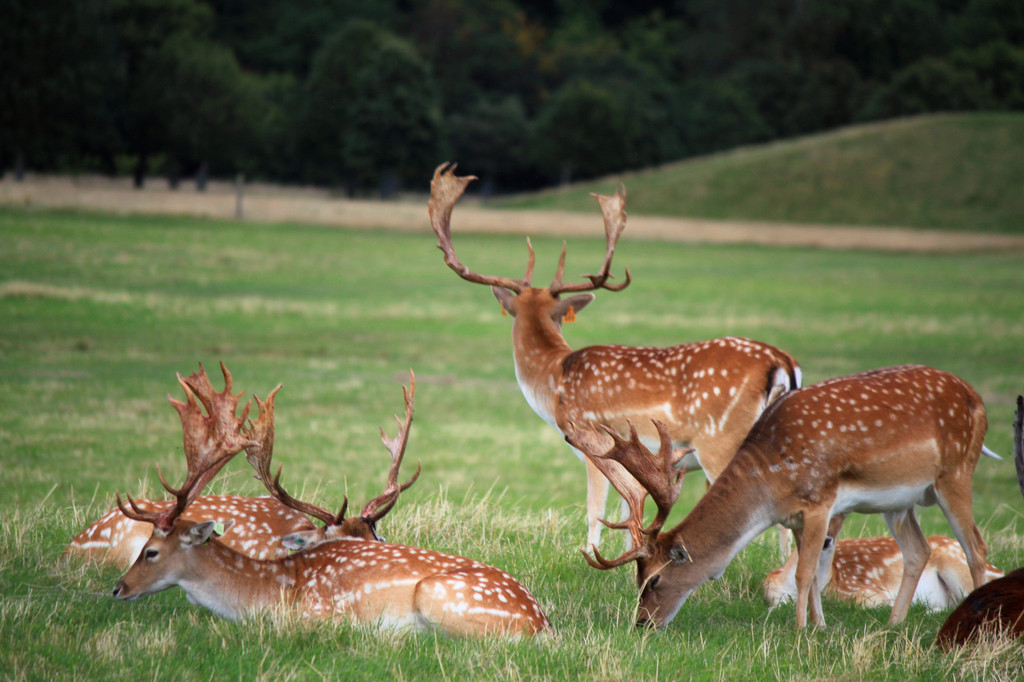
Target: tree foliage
[(369, 96)]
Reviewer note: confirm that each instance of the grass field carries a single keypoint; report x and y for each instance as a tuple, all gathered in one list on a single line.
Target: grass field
[(97, 313), (949, 171)]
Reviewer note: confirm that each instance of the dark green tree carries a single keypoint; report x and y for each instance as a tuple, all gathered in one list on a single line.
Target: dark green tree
[(58, 90), (581, 132), (492, 140), (208, 105), (370, 114)]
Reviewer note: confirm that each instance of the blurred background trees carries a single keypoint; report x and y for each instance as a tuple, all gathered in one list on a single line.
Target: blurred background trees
[(368, 97)]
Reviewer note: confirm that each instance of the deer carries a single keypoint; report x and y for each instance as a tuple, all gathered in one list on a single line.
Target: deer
[(707, 393), (996, 608), (336, 525), (366, 582), (867, 571), (260, 526), (880, 441), (264, 527)]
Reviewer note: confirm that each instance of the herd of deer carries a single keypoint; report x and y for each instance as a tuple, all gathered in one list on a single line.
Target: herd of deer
[(639, 418)]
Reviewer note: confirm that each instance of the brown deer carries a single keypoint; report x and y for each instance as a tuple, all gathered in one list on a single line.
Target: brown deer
[(881, 441), (336, 526), (367, 582), (259, 524), (263, 527), (996, 608), (708, 394), (868, 571)]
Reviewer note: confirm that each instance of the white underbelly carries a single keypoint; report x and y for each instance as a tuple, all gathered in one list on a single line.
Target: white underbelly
[(874, 500)]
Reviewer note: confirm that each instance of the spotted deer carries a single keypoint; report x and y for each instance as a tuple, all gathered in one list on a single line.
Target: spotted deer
[(708, 394), (881, 441), (336, 526), (365, 581), (995, 609), (263, 527), (258, 526), (868, 571)]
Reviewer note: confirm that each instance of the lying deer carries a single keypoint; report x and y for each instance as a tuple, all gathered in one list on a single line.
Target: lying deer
[(996, 608), (708, 394), (336, 526), (368, 582), (881, 441), (868, 571), (263, 527), (259, 523)]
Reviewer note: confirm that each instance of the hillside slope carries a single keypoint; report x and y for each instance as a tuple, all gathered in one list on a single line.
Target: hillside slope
[(951, 171)]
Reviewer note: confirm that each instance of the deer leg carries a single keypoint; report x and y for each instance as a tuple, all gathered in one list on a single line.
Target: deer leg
[(954, 498), (597, 498), (916, 550), (828, 550), (809, 541)]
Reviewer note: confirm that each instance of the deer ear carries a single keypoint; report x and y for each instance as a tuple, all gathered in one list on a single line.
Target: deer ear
[(202, 532), (567, 308), (679, 555), (294, 541), (506, 298)]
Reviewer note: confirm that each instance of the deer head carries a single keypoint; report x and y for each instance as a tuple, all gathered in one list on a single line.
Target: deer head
[(259, 452), (518, 296)]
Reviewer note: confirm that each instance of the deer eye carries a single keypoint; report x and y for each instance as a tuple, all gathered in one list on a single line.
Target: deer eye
[(653, 582), (151, 554)]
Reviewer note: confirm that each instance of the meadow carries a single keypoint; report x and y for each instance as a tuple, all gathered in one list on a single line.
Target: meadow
[(98, 312), (939, 171)]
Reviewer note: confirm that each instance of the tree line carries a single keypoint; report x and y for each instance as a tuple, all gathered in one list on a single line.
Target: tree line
[(369, 96)]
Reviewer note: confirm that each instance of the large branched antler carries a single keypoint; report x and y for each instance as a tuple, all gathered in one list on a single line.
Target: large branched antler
[(634, 472), (445, 190), (379, 506), (209, 440), (260, 451), (614, 211)]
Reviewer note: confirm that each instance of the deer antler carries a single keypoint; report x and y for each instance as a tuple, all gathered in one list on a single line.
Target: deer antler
[(259, 452), (634, 473), (614, 211), (379, 506), (209, 442), (445, 190)]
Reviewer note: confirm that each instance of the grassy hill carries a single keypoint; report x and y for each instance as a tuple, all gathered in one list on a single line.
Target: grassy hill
[(953, 171)]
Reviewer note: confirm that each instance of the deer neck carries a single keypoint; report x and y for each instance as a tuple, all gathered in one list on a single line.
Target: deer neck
[(233, 585), (539, 349), (734, 511)]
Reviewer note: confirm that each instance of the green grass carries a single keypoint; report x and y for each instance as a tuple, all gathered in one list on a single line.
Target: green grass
[(97, 313), (958, 172)]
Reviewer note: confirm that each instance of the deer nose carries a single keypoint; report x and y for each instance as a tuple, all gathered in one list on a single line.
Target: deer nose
[(118, 590)]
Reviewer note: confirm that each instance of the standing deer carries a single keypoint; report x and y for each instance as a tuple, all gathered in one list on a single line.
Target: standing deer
[(708, 394), (336, 526), (875, 442), (996, 607), (368, 582), (868, 571)]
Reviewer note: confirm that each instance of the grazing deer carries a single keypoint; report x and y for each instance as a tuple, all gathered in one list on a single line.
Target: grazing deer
[(368, 582), (708, 394), (997, 607), (258, 526), (336, 526), (868, 571), (875, 442)]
